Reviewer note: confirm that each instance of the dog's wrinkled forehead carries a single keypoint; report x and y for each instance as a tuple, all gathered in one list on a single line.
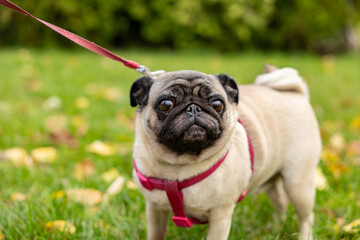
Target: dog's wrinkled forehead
[(187, 79)]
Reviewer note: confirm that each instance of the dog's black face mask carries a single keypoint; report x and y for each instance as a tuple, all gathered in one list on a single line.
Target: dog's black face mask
[(188, 114)]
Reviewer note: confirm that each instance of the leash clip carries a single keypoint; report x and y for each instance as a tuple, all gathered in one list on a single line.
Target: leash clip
[(145, 71)]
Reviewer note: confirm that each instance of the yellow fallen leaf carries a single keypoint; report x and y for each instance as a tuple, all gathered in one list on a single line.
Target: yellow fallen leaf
[(337, 169), (339, 222), (128, 122), (44, 154), (125, 149), (110, 175), (100, 91), (61, 226), (337, 142), (53, 102), (91, 211), (328, 64), (328, 127), (111, 94), (2, 236), (18, 197), (353, 227), (101, 148), (353, 148), (82, 102), (18, 156), (58, 194), (85, 196), (101, 224), (83, 169), (330, 155), (116, 186), (56, 123), (34, 84), (320, 180), (80, 124), (355, 123), (130, 184)]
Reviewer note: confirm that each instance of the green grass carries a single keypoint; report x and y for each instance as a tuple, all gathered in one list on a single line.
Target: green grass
[(28, 78)]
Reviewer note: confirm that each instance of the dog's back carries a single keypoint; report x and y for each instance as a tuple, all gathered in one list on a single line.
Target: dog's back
[(277, 112)]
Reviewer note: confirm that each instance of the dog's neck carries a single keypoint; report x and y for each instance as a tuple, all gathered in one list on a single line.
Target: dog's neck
[(153, 161)]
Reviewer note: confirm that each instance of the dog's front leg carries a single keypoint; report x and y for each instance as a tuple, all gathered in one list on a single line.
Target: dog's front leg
[(157, 222), (220, 222)]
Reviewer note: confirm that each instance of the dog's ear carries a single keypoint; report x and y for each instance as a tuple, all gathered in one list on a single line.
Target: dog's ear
[(230, 87), (139, 93)]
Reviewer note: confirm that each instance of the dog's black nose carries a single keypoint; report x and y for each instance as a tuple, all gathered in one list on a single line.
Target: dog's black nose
[(194, 110)]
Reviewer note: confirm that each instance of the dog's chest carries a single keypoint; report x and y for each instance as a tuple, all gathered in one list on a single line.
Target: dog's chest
[(222, 187)]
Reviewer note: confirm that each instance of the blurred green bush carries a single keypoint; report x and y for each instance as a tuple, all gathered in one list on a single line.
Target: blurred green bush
[(219, 24)]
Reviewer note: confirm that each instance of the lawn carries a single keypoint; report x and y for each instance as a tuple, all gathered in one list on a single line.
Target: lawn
[(66, 128)]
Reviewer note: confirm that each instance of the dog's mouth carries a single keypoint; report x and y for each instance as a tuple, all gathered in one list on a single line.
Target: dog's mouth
[(192, 138), (194, 133)]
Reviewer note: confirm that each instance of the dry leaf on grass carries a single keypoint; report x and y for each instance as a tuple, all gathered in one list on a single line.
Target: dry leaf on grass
[(130, 184), (44, 154), (128, 122), (52, 103), (337, 142), (338, 169), (320, 180), (100, 91), (116, 186), (355, 124), (63, 138), (85, 196), (110, 175), (333, 162), (82, 102), (353, 148), (2, 236), (18, 156), (329, 127), (329, 155), (353, 227), (101, 224), (58, 194), (328, 64), (18, 197), (83, 169), (101, 148), (61, 226), (80, 124), (56, 123), (125, 148), (34, 84)]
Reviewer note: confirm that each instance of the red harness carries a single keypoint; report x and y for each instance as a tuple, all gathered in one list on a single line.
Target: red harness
[(173, 188)]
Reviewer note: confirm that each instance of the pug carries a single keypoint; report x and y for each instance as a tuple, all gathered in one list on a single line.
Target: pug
[(190, 123)]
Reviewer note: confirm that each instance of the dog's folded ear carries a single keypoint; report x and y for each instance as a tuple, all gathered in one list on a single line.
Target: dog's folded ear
[(230, 87), (139, 93)]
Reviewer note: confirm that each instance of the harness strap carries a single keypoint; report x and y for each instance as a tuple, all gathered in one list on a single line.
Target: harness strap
[(174, 194), (173, 188), (251, 151)]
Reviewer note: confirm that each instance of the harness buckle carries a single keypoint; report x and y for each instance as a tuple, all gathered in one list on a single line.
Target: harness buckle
[(145, 182), (182, 222)]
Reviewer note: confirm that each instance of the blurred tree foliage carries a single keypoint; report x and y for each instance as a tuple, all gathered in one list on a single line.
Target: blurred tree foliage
[(311, 25)]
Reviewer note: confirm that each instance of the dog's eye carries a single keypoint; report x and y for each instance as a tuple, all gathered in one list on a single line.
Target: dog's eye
[(217, 105), (166, 105)]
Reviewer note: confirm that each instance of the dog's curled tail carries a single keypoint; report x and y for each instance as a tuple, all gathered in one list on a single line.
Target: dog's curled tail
[(284, 79)]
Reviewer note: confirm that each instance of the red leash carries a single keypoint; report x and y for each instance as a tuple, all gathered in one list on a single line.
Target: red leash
[(82, 41)]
